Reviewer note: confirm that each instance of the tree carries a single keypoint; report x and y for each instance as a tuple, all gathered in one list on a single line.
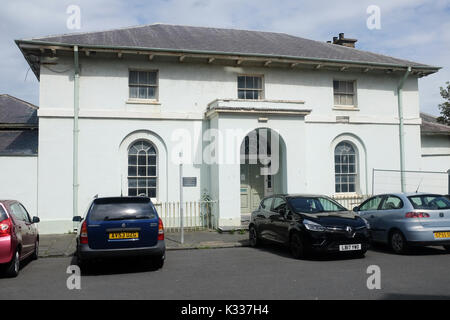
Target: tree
[(445, 106)]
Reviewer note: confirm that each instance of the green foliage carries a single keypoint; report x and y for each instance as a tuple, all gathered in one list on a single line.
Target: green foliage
[(445, 106)]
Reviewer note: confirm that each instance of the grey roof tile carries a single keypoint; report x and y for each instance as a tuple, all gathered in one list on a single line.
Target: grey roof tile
[(232, 41), (16, 111)]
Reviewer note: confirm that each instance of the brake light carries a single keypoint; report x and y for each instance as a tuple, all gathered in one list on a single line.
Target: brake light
[(5, 228), (417, 215), (84, 233), (160, 230)]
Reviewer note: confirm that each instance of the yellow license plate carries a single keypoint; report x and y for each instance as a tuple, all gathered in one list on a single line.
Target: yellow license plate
[(123, 235), (441, 235)]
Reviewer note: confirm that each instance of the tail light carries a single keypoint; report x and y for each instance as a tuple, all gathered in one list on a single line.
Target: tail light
[(417, 215), (84, 233), (5, 228), (160, 230)]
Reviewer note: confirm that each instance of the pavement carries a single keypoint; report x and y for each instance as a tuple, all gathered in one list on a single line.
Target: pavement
[(268, 272), (64, 245)]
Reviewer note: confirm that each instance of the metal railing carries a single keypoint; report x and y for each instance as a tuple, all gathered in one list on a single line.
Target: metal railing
[(197, 215), (350, 201)]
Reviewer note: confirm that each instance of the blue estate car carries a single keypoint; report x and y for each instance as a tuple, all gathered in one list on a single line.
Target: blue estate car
[(408, 219), (120, 227)]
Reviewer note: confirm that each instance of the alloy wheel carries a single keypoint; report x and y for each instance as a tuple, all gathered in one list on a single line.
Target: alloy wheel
[(397, 242)]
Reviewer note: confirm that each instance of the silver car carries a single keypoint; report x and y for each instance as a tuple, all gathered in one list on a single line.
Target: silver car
[(402, 220)]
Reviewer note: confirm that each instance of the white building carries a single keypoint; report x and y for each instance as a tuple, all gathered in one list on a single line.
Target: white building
[(329, 111)]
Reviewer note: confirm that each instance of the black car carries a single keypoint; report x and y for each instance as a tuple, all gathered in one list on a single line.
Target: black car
[(309, 223), (120, 227)]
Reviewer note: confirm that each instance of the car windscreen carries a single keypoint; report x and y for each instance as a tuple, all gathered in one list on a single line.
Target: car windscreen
[(314, 205), (118, 209), (430, 202), (3, 215)]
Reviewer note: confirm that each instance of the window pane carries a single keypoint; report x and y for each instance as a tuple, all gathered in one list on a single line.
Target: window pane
[(350, 87), (249, 94), (142, 172), (133, 78), (351, 188), (249, 82), (132, 160), (142, 192), (151, 160), (133, 92), (132, 192), (151, 93), (336, 85), (336, 99), (241, 82), (152, 171), (142, 159), (152, 78), (258, 83), (132, 171), (142, 183), (143, 77), (152, 193), (132, 183), (241, 94), (344, 188), (142, 92), (151, 182)]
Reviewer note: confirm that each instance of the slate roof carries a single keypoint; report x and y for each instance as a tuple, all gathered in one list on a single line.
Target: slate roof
[(222, 41), (18, 127), (16, 111), (431, 126)]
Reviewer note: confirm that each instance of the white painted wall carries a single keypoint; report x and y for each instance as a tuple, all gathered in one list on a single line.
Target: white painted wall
[(18, 181), (108, 122)]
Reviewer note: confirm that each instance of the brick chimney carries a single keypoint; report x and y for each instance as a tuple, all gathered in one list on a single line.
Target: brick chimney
[(343, 41)]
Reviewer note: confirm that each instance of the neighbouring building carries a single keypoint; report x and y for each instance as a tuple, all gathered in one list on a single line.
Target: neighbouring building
[(435, 141), (18, 151), (142, 99)]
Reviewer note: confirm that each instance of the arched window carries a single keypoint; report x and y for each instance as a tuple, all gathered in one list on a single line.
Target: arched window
[(142, 170), (345, 168)]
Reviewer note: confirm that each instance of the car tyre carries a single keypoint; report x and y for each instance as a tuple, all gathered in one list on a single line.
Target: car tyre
[(398, 242), (296, 246), (253, 237), (12, 270)]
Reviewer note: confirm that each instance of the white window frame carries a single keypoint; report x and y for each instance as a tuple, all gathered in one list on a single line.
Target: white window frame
[(353, 94), (261, 91), (355, 174), (156, 177), (156, 86)]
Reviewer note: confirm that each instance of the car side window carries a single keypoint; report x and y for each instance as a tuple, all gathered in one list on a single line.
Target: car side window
[(392, 203), (266, 204), (17, 212), (25, 214), (278, 204), (371, 204)]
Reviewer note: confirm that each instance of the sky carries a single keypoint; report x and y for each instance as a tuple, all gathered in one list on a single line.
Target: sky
[(417, 30)]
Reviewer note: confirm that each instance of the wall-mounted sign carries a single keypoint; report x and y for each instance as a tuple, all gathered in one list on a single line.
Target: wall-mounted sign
[(189, 181)]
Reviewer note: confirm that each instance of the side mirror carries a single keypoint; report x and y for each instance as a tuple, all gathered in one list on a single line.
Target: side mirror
[(355, 209), (77, 219), (36, 220)]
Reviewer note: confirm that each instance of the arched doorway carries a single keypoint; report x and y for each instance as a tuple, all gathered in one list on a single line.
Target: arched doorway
[(262, 168)]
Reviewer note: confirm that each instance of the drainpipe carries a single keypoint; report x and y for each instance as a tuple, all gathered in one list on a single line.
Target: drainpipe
[(401, 129), (75, 129)]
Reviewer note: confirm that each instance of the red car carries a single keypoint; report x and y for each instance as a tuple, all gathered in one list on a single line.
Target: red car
[(19, 237)]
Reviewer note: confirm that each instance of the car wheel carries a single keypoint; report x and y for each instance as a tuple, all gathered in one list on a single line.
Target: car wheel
[(253, 237), (13, 267), (447, 248), (398, 242), (35, 255), (296, 246)]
